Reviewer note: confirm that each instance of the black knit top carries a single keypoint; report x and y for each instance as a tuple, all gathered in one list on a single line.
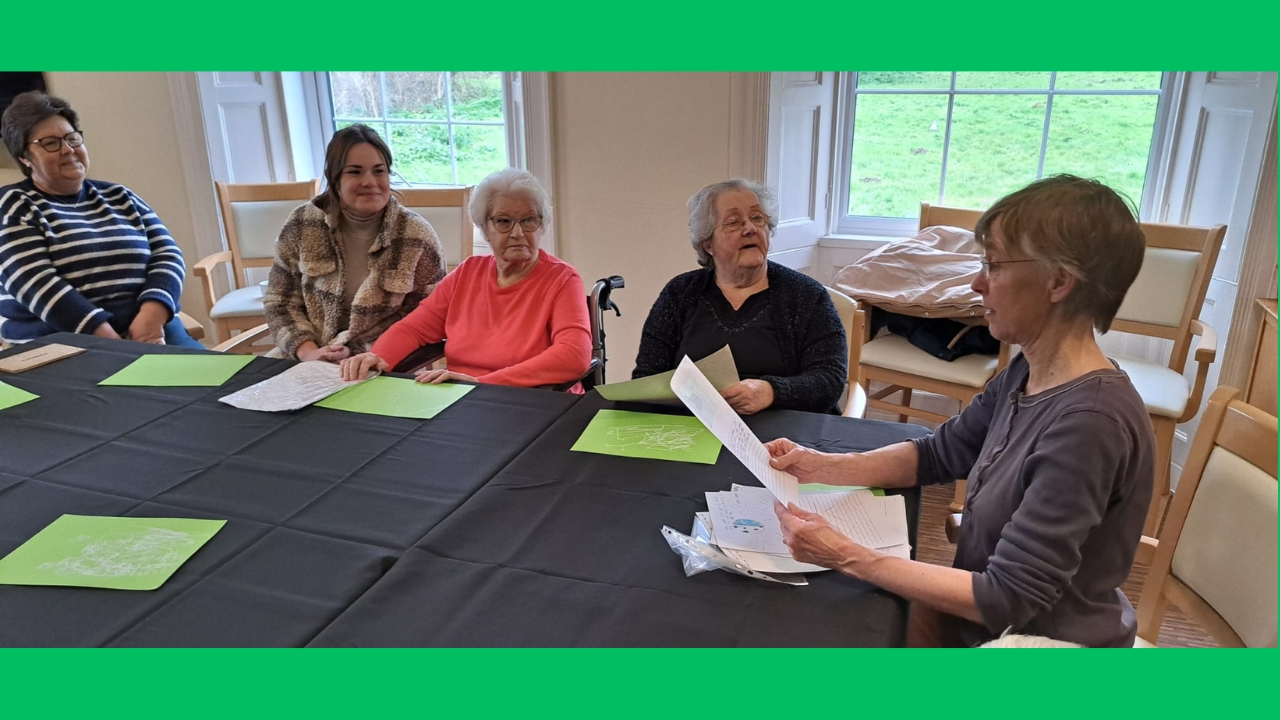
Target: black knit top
[(788, 335)]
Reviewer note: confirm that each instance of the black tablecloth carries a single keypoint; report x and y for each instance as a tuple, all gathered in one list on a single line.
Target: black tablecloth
[(320, 503), (564, 548)]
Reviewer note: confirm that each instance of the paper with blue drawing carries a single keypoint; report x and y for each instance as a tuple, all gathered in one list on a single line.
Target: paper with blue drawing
[(745, 521)]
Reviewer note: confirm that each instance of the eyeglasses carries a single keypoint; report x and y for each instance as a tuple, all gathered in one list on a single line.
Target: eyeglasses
[(506, 224), (54, 144), (988, 264), (737, 224)]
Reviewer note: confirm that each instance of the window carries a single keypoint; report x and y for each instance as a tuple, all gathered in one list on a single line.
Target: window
[(443, 128), (967, 138)]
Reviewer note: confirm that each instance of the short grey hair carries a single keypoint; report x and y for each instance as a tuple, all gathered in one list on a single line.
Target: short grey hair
[(512, 182), (702, 212)]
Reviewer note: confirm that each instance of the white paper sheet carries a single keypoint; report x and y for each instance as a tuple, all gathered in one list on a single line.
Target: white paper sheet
[(718, 367), (698, 394), (297, 387), (744, 520), (857, 514)]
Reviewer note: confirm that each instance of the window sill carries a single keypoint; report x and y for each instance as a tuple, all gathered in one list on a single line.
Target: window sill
[(861, 242)]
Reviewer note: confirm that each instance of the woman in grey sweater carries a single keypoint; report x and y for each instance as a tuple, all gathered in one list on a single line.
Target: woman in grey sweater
[(1058, 449)]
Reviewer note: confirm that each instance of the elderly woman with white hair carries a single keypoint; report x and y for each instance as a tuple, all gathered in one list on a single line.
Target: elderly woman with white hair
[(785, 335), (517, 317)]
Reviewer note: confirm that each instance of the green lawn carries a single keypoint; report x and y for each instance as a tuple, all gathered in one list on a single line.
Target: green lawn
[(995, 139), (421, 153)]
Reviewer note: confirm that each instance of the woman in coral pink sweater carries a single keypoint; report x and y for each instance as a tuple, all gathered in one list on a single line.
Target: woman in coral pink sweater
[(517, 317)]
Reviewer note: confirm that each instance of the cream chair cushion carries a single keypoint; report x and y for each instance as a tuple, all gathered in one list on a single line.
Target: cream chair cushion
[(1163, 390), (258, 225), (1227, 551), (245, 302), (893, 352), (1159, 293)]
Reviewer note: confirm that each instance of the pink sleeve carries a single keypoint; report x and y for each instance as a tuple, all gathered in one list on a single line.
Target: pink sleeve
[(570, 353), (423, 326)]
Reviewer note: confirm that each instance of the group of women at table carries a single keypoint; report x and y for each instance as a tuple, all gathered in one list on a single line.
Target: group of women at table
[(1049, 532)]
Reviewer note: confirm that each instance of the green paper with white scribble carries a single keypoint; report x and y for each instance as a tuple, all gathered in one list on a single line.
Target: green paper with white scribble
[(122, 553), (649, 435), (396, 397)]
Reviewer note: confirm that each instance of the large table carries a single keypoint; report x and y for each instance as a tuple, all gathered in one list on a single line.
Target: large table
[(478, 527)]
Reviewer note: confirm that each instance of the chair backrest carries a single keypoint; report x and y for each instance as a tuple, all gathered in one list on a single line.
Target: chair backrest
[(1170, 288), (1216, 558), (964, 218), (253, 214), (446, 210), (847, 309)]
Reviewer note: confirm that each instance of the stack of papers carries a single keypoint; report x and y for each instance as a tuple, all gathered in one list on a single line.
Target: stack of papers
[(743, 525)]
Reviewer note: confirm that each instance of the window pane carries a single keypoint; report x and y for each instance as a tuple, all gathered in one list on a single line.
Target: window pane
[(1105, 137), (1002, 80), (897, 154), (477, 96), (1108, 81), (995, 147), (356, 95), (482, 149), (422, 153), (416, 96), (904, 80)]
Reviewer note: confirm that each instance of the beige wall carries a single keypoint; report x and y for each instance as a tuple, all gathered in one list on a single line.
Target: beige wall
[(629, 151), (133, 140)]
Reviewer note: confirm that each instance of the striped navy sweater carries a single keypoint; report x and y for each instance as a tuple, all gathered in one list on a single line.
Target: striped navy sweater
[(71, 263)]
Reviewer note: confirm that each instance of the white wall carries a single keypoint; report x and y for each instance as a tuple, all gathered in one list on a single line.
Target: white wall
[(629, 151), (132, 138)]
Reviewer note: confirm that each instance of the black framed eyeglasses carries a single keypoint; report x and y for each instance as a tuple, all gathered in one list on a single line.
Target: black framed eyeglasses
[(988, 264), (73, 139), (505, 224), (736, 225)]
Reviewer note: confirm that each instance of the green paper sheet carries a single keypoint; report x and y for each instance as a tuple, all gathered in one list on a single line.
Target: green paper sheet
[(806, 488), (10, 396), (396, 397), (649, 435), (208, 370), (122, 553)]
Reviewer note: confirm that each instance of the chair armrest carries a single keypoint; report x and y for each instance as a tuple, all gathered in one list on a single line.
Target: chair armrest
[(192, 326), (243, 343), (1206, 351), (1147, 546), (855, 406), (952, 527), (424, 355), (203, 268), (587, 379)]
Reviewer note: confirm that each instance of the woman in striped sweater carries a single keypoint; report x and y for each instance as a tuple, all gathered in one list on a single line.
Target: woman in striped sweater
[(79, 255)]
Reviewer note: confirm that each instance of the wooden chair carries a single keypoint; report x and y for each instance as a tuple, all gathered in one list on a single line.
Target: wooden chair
[(446, 210), (1216, 559), (1163, 302), (903, 367), (252, 215), (855, 398)]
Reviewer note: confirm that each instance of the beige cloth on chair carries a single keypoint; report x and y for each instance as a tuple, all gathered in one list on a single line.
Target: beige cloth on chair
[(926, 276)]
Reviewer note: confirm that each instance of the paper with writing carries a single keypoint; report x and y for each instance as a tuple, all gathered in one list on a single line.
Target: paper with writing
[(297, 387)]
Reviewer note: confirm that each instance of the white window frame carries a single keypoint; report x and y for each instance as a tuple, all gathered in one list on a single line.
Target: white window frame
[(845, 226), (526, 111)]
